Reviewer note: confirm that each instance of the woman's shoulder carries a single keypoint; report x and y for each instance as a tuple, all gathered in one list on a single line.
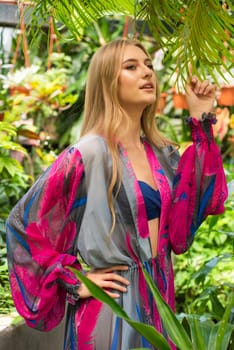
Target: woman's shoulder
[(92, 146)]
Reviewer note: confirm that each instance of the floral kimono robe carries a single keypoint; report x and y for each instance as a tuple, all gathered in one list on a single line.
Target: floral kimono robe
[(66, 212)]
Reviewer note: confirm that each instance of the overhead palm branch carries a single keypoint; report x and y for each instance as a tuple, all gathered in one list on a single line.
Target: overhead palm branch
[(196, 35)]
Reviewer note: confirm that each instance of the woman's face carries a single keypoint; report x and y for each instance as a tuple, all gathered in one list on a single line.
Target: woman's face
[(137, 80)]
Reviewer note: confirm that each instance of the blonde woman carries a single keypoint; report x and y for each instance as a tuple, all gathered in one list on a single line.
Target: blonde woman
[(121, 197)]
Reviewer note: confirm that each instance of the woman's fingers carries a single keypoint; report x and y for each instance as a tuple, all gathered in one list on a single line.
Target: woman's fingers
[(113, 295), (202, 87), (106, 279), (112, 268), (196, 85), (113, 285), (110, 278), (200, 96)]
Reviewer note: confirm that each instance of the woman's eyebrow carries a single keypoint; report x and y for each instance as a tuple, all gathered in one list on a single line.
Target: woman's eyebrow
[(136, 60)]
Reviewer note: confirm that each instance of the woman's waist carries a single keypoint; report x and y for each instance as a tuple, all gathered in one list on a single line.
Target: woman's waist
[(148, 265)]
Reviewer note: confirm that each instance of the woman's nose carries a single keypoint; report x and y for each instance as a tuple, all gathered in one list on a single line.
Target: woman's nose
[(147, 71)]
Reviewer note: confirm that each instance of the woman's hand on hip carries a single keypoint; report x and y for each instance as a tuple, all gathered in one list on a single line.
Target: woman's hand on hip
[(200, 97), (107, 279)]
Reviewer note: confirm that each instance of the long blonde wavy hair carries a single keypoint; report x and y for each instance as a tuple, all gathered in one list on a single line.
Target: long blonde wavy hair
[(103, 113)]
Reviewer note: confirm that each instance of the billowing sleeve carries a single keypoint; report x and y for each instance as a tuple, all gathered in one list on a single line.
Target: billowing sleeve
[(199, 187), (41, 231)]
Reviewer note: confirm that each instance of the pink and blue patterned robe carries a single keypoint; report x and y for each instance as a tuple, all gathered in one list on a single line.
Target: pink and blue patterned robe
[(66, 212)]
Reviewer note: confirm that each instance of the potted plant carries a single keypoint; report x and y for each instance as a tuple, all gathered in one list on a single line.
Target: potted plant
[(226, 94), (33, 91), (226, 97), (35, 95), (179, 100)]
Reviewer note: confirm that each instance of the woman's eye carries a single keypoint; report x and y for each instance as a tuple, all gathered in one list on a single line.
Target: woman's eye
[(131, 67), (150, 66)]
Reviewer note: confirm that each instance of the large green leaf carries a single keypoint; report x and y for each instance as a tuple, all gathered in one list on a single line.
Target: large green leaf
[(172, 326)]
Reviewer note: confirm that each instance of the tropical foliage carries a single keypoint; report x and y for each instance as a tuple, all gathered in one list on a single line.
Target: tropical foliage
[(31, 96), (13, 178), (195, 35), (209, 263), (36, 92)]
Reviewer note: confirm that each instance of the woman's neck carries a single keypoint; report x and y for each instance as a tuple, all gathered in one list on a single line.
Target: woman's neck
[(132, 136)]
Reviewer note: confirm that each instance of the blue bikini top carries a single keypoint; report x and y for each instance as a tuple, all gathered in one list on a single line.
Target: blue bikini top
[(152, 200)]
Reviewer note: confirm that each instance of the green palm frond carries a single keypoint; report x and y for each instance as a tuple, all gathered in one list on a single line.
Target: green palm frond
[(196, 35), (76, 15)]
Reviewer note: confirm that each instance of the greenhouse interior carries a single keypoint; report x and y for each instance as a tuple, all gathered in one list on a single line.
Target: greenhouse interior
[(45, 51)]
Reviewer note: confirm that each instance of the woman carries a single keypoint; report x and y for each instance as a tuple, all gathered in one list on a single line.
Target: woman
[(121, 197)]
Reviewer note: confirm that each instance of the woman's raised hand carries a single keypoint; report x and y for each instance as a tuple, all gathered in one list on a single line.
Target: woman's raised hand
[(106, 279), (200, 97)]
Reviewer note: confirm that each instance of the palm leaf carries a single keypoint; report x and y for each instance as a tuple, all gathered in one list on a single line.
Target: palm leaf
[(193, 33), (76, 15), (197, 34)]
